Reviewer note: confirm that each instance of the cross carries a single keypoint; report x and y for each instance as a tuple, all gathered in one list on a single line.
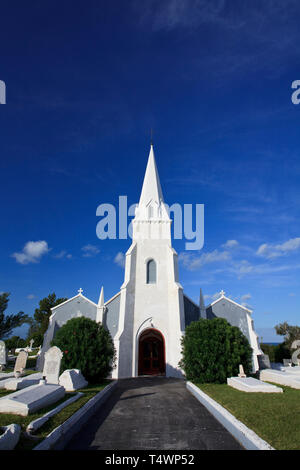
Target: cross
[(222, 293), (80, 290)]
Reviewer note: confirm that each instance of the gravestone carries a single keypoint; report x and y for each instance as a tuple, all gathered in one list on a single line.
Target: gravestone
[(72, 379), (264, 361), (241, 370), (52, 365), (20, 363), (2, 355), (287, 362)]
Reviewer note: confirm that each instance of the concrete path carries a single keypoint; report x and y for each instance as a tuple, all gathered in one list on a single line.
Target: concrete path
[(152, 413)]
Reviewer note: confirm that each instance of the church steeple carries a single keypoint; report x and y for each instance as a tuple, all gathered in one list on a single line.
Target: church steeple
[(151, 190), (152, 219)]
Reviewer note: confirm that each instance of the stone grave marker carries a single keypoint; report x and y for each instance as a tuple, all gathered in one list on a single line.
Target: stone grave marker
[(242, 373), (52, 365), (2, 355), (287, 362), (20, 363), (72, 379)]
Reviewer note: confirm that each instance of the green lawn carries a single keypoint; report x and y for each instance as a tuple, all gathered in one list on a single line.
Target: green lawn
[(275, 417), (28, 444)]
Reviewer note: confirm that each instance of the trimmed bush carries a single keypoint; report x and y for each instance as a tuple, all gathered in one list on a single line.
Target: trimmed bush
[(276, 352), (212, 351), (87, 346)]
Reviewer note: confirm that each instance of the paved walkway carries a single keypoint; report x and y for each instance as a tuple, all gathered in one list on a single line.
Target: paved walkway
[(152, 413)]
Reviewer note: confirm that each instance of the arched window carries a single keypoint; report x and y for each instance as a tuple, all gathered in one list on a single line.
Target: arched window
[(151, 272)]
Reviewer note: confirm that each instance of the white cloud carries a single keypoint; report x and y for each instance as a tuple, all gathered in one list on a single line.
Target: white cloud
[(216, 296), (31, 296), (120, 259), (270, 251), (192, 262), (32, 252), (230, 244), (63, 254), (89, 251), (245, 297)]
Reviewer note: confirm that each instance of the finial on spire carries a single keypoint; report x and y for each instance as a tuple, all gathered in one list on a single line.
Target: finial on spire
[(101, 298), (151, 136), (222, 293)]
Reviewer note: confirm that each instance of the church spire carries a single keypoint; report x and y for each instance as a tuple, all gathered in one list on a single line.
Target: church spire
[(202, 308), (151, 190), (100, 307)]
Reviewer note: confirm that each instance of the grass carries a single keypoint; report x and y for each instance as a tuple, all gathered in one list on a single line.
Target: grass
[(28, 444), (275, 417)]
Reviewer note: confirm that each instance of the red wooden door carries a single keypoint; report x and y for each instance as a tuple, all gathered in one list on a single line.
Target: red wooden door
[(151, 353)]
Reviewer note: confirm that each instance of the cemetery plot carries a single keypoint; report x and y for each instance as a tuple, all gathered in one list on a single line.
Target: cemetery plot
[(18, 384), (54, 421), (275, 417), (280, 377), (249, 384), (24, 402)]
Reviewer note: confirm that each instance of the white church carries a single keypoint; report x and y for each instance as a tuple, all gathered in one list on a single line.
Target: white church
[(148, 316)]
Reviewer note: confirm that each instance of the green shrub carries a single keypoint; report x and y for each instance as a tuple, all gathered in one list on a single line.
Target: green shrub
[(276, 352), (282, 352), (86, 345), (212, 351), (269, 349)]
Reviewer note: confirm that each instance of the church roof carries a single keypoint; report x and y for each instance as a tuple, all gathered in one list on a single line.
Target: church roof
[(151, 190), (72, 298), (229, 300)]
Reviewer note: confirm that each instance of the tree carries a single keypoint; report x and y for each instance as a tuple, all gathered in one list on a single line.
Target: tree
[(15, 342), (212, 351), (290, 333), (40, 321), (9, 322), (87, 346)]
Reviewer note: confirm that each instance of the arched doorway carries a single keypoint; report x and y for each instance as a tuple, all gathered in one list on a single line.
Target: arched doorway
[(151, 353)]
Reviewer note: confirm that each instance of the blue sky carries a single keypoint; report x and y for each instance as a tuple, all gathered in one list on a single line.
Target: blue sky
[(85, 83)]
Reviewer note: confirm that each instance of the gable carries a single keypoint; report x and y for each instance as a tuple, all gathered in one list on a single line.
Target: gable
[(235, 314), (76, 307)]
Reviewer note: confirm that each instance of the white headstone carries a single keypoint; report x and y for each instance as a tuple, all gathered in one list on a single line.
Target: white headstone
[(52, 365), (20, 362), (72, 379), (242, 373), (2, 353)]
